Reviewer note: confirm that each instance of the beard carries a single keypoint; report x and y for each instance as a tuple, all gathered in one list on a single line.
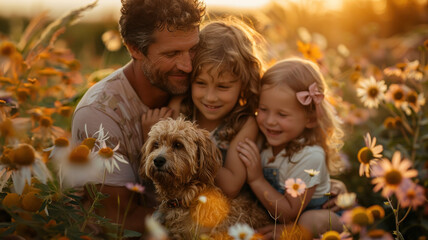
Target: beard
[(160, 79)]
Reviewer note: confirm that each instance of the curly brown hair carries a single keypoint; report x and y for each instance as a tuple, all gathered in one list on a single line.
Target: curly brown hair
[(231, 46), (141, 18)]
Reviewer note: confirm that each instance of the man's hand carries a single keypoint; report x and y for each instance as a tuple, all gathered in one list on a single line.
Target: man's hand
[(336, 187)]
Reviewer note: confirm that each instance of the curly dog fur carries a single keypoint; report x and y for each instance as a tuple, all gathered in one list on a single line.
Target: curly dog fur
[(182, 162)]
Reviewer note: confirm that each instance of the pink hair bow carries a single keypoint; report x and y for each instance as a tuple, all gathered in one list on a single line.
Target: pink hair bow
[(306, 97)]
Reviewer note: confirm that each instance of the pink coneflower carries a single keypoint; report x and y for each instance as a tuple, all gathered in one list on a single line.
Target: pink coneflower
[(295, 187), (410, 194), (369, 154), (135, 187), (390, 176)]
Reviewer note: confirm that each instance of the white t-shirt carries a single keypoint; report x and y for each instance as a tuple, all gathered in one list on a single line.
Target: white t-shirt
[(310, 157)]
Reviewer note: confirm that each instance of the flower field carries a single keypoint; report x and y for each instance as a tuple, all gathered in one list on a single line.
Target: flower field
[(375, 63)]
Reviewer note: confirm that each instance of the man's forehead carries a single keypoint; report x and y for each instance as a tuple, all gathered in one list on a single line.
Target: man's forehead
[(165, 36)]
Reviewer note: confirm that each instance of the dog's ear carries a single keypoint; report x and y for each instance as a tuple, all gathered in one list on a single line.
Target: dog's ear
[(209, 157), (145, 151)]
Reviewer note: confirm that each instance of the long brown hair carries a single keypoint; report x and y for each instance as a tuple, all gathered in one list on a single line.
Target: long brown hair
[(230, 45)]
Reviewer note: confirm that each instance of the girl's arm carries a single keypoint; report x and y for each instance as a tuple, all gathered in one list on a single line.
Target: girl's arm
[(231, 177), (284, 207)]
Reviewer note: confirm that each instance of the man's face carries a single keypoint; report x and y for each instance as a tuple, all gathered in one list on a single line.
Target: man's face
[(169, 60)]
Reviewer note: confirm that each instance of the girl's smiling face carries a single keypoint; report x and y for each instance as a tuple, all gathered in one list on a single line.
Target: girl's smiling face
[(280, 116), (214, 96)]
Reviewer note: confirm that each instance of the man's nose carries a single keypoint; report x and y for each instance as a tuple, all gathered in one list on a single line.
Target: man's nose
[(184, 62)]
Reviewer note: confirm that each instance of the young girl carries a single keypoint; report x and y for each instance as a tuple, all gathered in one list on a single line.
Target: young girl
[(223, 93), (302, 133)]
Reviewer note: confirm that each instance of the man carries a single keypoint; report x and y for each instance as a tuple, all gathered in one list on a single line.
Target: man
[(161, 36)]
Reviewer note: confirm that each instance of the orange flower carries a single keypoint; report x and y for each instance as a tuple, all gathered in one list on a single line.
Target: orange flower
[(309, 51)]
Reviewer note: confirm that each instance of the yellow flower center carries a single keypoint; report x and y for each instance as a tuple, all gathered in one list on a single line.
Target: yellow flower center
[(411, 194), (23, 155), (89, 142), (373, 92), (393, 177), (242, 235), (106, 152), (45, 122), (31, 202), (361, 218), (331, 235), (79, 155), (376, 211), (61, 142), (365, 155), (398, 95), (7, 49), (412, 98), (296, 186), (389, 123)]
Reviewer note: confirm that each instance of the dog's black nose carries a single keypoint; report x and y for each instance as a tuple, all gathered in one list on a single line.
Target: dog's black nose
[(159, 161)]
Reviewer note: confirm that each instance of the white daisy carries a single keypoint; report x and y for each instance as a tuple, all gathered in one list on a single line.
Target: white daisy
[(371, 92), (241, 231), (346, 200), (24, 163), (312, 172), (80, 168)]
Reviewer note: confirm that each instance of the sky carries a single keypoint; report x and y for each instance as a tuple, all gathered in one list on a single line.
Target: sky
[(104, 8), (107, 8)]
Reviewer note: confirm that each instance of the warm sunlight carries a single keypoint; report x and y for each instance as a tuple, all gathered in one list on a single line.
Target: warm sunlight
[(107, 8)]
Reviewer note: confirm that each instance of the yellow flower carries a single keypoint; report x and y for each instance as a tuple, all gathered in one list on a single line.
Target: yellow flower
[(390, 176), (7, 49), (357, 218), (371, 92), (12, 200), (396, 94), (389, 123), (309, 51), (331, 235), (31, 202), (376, 211), (112, 40), (369, 154), (24, 162), (211, 208)]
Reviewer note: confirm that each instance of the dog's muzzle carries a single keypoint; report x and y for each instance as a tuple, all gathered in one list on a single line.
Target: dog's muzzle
[(159, 161)]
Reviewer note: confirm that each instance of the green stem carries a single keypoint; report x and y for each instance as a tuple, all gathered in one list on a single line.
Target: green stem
[(405, 215), (91, 209), (125, 214)]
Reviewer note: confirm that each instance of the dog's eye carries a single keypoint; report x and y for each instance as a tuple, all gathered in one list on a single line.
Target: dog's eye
[(177, 145), (155, 145)]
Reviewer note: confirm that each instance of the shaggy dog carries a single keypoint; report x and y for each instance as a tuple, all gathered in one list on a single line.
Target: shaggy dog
[(182, 162)]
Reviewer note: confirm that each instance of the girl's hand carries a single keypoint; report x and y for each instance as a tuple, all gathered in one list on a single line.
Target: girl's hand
[(250, 156), (152, 116)]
